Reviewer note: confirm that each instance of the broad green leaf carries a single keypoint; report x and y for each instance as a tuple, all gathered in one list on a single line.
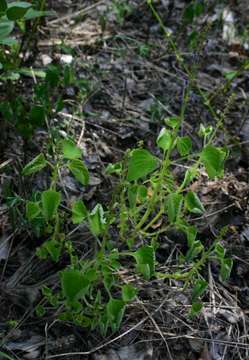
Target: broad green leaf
[(129, 292), (53, 247), (189, 13), (115, 311), (184, 145), (164, 139), (189, 176), (140, 164), (32, 72), (3, 5), (136, 194), (9, 41), (32, 210), (194, 9), (199, 288), (226, 268), (193, 203), (33, 14), (132, 195), (52, 76), (17, 9), (195, 309), (74, 285), (35, 165), (79, 212), (173, 206), (191, 233), (6, 28), (50, 202), (37, 115), (79, 170), (145, 258), (213, 160), (173, 121), (220, 251), (70, 150), (230, 75), (195, 250), (97, 220)]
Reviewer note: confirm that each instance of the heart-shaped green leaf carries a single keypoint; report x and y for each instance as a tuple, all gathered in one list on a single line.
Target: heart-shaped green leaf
[(17, 10), (79, 212), (213, 159), (140, 164), (37, 164), (79, 171), (70, 150), (193, 203), (50, 202)]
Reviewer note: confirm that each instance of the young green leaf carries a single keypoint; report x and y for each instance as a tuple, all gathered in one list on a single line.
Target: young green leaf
[(53, 247), (136, 194), (184, 145), (173, 121), (6, 28), (195, 249), (220, 251), (205, 131), (115, 311), (191, 233), (97, 220), (164, 139), (37, 164), (74, 285), (50, 202), (195, 309), (189, 176), (70, 150), (193, 203), (213, 160), (128, 292), (145, 258), (199, 288), (17, 10), (37, 115), (114, 168), (32, 210), (79, 212), (140, 164), (226, 268), (34, 14), (230, 75), (79, 170), (173, 206)]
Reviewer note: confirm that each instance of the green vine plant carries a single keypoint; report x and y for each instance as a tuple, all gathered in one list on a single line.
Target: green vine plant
[(91, 291), (17, 15)]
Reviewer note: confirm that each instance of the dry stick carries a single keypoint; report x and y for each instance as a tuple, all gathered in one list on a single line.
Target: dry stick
[(5, 163), (75, 14), (111, 341), (214, 213), (222, 342)]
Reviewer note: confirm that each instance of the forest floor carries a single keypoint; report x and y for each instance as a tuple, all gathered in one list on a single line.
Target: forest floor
[(130, 82)]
